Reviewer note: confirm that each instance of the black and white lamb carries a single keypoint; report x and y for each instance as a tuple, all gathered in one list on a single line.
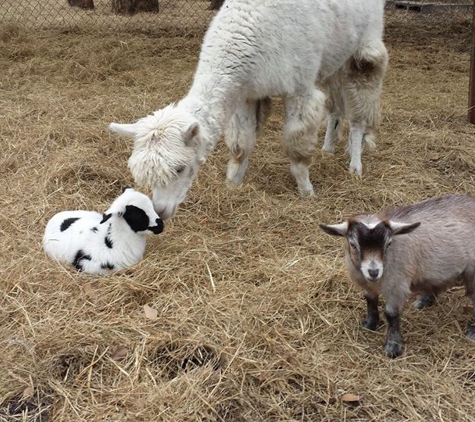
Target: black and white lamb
[(99, 243)]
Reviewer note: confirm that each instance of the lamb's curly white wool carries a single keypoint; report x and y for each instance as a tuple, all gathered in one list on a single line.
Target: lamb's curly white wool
[(99, 243)]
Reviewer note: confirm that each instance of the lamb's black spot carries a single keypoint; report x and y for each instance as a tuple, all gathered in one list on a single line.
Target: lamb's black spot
[(108, 242), (80, 256), (136, 218), (94, 229), (67, 223), (107, 266)]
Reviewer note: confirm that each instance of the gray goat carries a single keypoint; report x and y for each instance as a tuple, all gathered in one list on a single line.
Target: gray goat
[(436, 253)]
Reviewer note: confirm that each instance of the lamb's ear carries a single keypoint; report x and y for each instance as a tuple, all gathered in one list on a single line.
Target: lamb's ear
[(105, 217), (402, 228), (125, 188), (190, 132), (128, 129), (336, 229)]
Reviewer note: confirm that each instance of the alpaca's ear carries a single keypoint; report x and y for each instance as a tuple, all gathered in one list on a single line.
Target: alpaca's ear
[(123, 129), (191, 132)]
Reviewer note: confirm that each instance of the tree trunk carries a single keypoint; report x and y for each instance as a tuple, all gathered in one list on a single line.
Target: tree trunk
[(129, 7), (83, 4), (216, 4)]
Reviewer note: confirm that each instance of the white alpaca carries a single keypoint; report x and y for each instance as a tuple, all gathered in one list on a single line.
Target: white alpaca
[(254, 50), (98, 243)]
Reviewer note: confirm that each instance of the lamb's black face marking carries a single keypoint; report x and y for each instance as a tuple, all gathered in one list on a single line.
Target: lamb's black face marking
[(107, 266), (80, 256), (108, 242), (136, 218), (158, 228), (94, 229), (67, 223)]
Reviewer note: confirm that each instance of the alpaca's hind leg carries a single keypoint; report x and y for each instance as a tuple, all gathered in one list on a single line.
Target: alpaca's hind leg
[(336, 108), (303, 116), (362, 90), (240, 136), (333, 132)]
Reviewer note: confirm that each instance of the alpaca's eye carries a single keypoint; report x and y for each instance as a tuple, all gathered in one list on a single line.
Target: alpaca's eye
[(180, 169)]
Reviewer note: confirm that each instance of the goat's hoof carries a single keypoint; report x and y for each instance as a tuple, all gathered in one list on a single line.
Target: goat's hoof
[(424, 302), (471, 332), (393, 349), (370, 324)]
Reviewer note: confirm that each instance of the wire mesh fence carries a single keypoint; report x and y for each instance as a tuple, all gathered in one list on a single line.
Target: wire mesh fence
[(194, 15), (181, 15)]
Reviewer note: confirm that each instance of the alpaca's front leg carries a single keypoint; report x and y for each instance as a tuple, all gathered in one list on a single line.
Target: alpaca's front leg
[(240, 136), (303, 116)]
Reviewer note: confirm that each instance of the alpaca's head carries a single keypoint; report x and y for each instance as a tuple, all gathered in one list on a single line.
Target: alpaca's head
[(168, 150), (137, 210)]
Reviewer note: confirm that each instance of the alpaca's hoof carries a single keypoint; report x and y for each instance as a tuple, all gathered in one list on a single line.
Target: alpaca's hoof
[(232, 185), (306, 193), (329, 149), (356, 169)]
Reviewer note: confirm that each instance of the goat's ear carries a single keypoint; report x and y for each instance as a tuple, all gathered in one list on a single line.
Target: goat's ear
[(402, 228), (336, 229), (123, 129), (105, 217), (190, 132)]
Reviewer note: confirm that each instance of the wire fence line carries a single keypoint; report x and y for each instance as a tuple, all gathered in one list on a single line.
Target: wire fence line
[(191, 15)]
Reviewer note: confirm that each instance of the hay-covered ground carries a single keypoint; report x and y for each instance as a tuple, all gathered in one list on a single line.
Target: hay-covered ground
[(255, 317)]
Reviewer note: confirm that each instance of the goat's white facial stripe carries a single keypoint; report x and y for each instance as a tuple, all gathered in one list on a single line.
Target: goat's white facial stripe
[(371, 225), (372, 267)]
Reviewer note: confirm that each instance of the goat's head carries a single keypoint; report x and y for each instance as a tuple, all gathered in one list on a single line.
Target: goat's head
[(368, 242), (137, 210), (168, 150)]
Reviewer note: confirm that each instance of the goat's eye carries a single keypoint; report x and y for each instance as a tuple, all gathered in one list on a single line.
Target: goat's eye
[(180, 169)]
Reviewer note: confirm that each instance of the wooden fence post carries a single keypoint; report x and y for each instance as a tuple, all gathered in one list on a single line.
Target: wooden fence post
[(471, 95)]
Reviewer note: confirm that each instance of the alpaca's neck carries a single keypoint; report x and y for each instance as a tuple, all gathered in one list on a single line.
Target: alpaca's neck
[(213, 103)]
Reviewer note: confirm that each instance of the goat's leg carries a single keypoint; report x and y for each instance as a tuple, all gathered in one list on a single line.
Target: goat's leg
[(303, 116), (372, 318), (394, 345), (470, 292)]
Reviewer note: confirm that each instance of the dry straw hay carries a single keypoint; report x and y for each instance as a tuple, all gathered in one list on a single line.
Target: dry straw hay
[(241, 310)]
